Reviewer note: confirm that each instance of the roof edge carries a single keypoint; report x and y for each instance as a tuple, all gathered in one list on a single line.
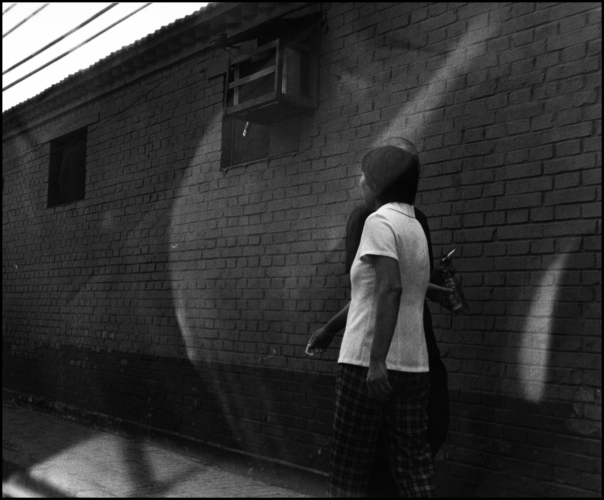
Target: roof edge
[(232, 18)]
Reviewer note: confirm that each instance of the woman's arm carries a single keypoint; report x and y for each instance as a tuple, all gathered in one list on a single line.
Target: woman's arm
[(435, 292), (320, 340), (338, 322), (388, 295)]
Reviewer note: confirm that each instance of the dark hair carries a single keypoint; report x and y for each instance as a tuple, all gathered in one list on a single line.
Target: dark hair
[(404, 188), (392, 173)]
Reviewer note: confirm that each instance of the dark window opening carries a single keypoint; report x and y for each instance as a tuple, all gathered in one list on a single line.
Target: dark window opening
[(67, 171), (270, 89), (259, 142)]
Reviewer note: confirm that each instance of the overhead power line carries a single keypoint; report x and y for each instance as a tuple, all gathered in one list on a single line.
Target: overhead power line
[(194, 60), (8, 8), (24, 20), (61, 38), (145, 94), (74, 48)]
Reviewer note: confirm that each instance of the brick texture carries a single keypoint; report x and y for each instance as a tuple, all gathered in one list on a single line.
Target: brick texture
[(182, 296)]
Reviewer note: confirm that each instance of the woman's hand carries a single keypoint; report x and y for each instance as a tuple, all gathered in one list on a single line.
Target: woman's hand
[(319, 341), (440, 289), (438, 293), (377, 381)]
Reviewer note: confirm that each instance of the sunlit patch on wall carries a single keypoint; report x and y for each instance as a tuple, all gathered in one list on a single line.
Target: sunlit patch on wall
[(188, 233), (201, 304), (536, 337), (414, 116)]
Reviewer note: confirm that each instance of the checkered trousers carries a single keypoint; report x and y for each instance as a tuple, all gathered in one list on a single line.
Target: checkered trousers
[(357, 423)]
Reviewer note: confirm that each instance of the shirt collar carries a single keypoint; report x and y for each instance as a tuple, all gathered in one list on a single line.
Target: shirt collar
[(402, 208)]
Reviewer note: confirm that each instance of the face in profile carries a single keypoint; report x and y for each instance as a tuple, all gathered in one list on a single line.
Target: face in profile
[(369, 195)]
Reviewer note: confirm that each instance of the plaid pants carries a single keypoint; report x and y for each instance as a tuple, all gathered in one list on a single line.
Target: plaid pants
[(357, 423)]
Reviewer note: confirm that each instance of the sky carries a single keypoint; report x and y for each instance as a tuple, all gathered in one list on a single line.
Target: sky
[(57, 19)]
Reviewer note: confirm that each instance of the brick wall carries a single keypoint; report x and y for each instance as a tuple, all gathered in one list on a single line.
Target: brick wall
[(182, 296)]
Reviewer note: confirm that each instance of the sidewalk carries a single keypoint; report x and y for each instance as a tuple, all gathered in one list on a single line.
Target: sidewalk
[(43, 455)]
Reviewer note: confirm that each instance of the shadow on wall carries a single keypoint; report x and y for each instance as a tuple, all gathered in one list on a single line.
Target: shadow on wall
[(169, 285), (243, 301), (148, 324), (226, 304), (180, 322)]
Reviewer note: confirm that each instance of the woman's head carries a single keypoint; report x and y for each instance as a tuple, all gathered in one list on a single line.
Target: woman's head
[(391, 173), (369, 196)]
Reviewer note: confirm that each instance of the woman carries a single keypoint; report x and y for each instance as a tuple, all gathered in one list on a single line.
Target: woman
[(383, 366), (381, 483)]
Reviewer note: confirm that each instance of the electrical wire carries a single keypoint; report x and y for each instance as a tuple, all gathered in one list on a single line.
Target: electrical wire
[(61, 38), (74, 48), (102, 122), (24, 20), (8, 8)]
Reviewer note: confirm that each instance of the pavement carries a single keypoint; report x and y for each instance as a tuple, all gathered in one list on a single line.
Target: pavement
[(44, 455)]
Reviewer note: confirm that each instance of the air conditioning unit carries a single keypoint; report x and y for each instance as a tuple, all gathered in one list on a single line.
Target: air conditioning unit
[(273, 83)]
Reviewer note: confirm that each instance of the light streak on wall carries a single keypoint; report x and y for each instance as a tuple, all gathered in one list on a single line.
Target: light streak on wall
[(184, 281), (411, 121), (536, 337), (198, 302)]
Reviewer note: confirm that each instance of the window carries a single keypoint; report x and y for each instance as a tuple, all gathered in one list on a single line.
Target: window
[(270, 90), (67, 171), (259, 142)]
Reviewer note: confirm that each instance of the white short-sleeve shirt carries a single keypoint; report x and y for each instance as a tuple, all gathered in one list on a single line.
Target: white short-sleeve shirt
[(392, 231)]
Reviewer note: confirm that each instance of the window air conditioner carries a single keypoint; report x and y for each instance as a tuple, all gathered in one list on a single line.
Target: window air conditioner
[(275, 82)]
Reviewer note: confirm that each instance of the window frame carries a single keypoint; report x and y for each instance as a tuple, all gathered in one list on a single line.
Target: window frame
[(291, 128), (57, 145)]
